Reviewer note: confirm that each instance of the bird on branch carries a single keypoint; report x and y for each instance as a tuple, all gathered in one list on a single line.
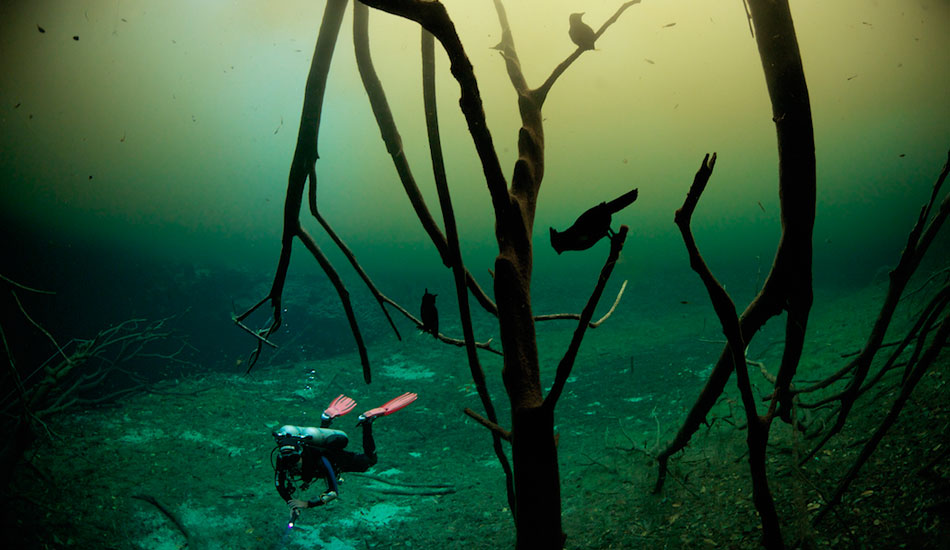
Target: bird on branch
[(429, 314), (592, 226), (581, 33)]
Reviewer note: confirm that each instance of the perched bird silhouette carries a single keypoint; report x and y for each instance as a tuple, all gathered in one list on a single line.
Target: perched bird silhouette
[(591, 226), (430, 315), (581, 33)]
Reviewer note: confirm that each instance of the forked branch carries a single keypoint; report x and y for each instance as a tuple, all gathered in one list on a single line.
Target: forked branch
[(758, 428)]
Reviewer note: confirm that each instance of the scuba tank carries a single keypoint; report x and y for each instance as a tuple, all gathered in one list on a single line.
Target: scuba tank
[(323, 438)]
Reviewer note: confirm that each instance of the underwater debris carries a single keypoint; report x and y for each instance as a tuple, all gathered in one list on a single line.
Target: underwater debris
[(76, 37)]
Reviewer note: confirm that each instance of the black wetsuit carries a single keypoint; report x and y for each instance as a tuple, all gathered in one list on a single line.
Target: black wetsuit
[(325, 463)]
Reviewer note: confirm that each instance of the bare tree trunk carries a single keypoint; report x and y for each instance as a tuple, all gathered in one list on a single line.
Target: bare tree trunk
[(791, 112), (788, 286)]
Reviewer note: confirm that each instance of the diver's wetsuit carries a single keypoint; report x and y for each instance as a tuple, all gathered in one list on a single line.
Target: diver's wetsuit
[(326, 463)]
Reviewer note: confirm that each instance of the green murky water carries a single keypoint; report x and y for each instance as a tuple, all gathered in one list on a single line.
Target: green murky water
[(144, 151)]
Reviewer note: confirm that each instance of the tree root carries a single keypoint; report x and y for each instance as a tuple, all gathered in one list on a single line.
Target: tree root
[(168, 514)]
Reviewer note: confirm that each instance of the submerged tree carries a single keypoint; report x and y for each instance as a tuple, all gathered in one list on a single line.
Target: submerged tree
[(81, 373), (533, 483), (788, 287)]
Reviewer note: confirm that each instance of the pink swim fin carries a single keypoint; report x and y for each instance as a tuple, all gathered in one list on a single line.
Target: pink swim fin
[(390, 407), (340, 406)]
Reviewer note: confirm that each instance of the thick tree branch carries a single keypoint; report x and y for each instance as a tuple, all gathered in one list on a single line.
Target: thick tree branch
[(433, 17), (567, 362), (301, 167), (380, 298), (758, 428), (390, 135), (344, 295), (454, 255)]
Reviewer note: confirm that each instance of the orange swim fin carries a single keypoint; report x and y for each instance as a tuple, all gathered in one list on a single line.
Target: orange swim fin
[(390, 407), (338, 407)]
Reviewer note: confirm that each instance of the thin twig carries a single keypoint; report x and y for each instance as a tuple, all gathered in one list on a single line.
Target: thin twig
[(24, 287), (38, 326), (577, 316), (503, 433)]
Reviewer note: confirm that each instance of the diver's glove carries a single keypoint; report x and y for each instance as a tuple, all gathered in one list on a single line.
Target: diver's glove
[(324, 498)]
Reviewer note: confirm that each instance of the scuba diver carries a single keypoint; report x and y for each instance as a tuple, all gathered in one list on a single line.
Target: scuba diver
[(304, 453)]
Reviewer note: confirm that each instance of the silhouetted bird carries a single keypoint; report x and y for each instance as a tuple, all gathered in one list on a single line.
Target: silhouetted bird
[(581, 33), (591, 226), (430, 315)]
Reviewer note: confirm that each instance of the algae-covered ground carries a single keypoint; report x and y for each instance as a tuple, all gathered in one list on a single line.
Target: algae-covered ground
[(201, 448)]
